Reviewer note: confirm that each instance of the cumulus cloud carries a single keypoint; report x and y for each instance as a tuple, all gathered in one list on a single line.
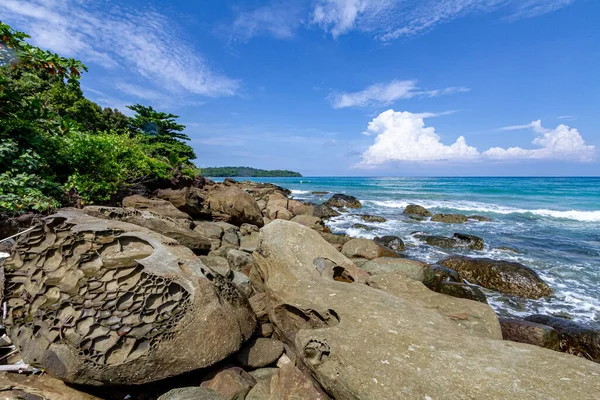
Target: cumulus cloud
[(403, 136), (386, 93), (138, 40)]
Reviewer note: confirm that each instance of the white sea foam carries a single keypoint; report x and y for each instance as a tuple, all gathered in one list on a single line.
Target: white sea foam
[(300, 191), (583, 216)]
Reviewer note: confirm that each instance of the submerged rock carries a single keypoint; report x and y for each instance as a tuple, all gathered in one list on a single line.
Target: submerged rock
[(480, 218), (343, 200), (359, 342), (96, 301), (575, 338), (363, 227), (449, 218), (324, 211), (372, 218), (530, 332), (458, 240), (414, 209), (503, 276)]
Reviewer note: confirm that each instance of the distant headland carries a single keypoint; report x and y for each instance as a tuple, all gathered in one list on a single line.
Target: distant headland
[(224, 172)]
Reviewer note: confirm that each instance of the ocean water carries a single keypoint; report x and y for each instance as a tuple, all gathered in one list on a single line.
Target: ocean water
[(553, 223)]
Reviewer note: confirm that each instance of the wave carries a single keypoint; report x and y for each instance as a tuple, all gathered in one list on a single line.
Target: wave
[(300, 191), (577, 215)]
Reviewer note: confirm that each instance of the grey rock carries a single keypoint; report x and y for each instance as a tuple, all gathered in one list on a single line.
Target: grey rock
[(343, 200), (411, 268), (263, 373), (391, 242), (259, 353), (191, 393), (217, 264), (209, 229), (260, 391), (231, 238), (239, 260), (249, 243), (324, 211)]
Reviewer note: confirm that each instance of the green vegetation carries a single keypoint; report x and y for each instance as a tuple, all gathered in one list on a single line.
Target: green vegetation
[(59, 148), (225, 172)]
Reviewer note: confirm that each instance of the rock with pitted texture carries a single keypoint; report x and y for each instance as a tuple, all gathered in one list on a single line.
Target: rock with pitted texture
[(503, 276), (96, 301), (233, 205), (414, 209), (157, 206), (343, 201), (359, 342), (164, 225)]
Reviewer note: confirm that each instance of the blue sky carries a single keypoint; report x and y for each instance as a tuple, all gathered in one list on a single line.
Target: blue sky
[(348, 87)]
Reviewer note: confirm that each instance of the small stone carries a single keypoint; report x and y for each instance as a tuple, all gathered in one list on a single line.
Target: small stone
[(283, 360), (231, 238), (232, 383), (260, 352), (265, 330)]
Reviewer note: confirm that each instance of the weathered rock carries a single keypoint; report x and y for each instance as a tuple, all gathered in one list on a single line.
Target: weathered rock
[(222, 251), (208, 229), (259, 353), (157, 206), (279, 213), (503, 276), (575, 338), (480, 218), (396, 347), (476, 318), (462, 291), (260, 391), (459, 240), (263, 373), (319, 193), (324, 211), (218, 264), (414, 209), (530, 332), (160, 224), (233, 205), (265, 330), (335, 239), (37, 387), (190, 200), (259, 303), (359, 262), (411, 268), (249, 243), (372, 218), (449, 218), (391, 242), (230, 238), (242, 283), (309, 221), (366, 248), (363, 227), (96, 301), (293, 206), (191, 393), (343, 200), (291, 383), (436, 274), (232, 383), (248, 229), (238, 259), (227, 227)]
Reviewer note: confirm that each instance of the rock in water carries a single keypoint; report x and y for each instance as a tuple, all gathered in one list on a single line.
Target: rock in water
[(503, 276), (449, 218), (413, 209), (96, 301), (576, 339), (343, 200), (324, 211), (233, 205), (530, 332), (363, 343), (391, 242)]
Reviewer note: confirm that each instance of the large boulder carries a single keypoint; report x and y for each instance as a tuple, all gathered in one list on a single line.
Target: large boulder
[(259, 353), (157, 206), (503, 276), (529, 332), (343, 201), (412, 268), (575, 338), (37, 387), (96, 301), (233, 205), (449, 218), (391, 242), (324, 211), (291, 383), (366, 248), (190, 200), (364, 343), (309, 221), (414, 209), (164, 225)]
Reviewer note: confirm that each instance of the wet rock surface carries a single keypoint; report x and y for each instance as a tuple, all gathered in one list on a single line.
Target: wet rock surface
[(449, 218), (503, 276), (414, 209), (343, 201), (391, 242), (458, 240), (98, 301), (530, 332), (324, 211)]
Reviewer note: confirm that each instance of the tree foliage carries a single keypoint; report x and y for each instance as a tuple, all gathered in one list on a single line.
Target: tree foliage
[(56, 145), (223, 172)]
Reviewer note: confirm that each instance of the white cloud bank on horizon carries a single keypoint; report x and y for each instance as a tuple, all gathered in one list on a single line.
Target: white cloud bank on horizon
[(386, 93), (141, 41), (403, 136)]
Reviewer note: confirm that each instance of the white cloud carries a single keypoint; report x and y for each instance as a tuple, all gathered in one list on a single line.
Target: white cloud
[(386, 93), (277, 19), (389, 20), (403, 136), (142, 41)]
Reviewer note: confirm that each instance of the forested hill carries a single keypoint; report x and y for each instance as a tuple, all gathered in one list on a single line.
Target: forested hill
[(224, 172)]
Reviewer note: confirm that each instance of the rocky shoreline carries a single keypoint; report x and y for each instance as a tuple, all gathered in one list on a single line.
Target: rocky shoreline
[(234, 290)]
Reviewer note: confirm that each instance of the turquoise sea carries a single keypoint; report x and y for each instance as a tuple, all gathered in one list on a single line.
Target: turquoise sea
[(554, 223)]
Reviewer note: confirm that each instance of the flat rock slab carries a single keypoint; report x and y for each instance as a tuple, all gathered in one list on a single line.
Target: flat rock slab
[(411, 268), (37, 387), (259, 353), (232, 383)]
